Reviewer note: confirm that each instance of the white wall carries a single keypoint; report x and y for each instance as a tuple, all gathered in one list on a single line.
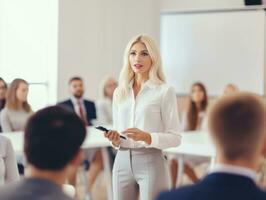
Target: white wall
[(93, 35), (170, 5)]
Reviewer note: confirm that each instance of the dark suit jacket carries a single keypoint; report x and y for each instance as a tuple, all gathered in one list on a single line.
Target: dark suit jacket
[(89, 106), (218, 186), (32, 189)]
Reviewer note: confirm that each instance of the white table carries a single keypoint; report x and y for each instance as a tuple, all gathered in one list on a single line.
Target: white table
[(193, 143)]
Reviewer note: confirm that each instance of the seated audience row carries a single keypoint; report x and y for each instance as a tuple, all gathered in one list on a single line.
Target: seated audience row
[(237, 127)]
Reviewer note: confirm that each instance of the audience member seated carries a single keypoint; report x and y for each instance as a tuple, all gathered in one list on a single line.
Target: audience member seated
[(3, 89), (193, 119), (230, 89), (53, 138), (86, 110), (8, 164), (104, 108), (104, 104), (16, 112), (237, 127), (17, 109)]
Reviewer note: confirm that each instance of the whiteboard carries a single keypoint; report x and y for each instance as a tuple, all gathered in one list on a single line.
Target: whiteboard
[(215, 48)]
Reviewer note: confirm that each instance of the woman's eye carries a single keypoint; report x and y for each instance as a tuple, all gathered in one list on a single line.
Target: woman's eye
[(132, 53), (145, 54)]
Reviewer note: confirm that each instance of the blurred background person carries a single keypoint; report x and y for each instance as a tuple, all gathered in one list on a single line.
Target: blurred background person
[(16, 112), (8, 164), (230, 89), (193, 119), (104, 104), (17, 109), (3, 90), (86, 110)]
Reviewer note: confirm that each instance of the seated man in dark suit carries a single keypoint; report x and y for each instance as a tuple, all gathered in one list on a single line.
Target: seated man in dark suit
[(52, 145), (237, 126), (86, 110)]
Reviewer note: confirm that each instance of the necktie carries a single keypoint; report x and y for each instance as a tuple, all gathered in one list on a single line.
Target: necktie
[(81, 112)]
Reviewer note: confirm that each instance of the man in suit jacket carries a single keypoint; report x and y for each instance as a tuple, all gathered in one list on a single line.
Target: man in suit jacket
[(237, 127), (52, 145), (85, 109)]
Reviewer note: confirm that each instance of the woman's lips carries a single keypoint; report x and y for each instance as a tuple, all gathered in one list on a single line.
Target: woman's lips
[(138, 66)]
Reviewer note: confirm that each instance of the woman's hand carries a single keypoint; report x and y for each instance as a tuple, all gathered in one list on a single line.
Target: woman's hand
[(138, 135), (113, 136)]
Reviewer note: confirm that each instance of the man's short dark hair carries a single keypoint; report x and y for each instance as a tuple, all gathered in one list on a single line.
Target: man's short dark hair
[(75, 78), (237, 123), (53, 136)]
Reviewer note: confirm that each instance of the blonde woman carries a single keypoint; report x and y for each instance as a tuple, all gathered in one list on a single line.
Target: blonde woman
[(104, 105), (144, 110), (17, 109)]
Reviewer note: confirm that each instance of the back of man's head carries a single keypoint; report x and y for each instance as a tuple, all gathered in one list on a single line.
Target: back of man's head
[(237, 124), (53, 137)]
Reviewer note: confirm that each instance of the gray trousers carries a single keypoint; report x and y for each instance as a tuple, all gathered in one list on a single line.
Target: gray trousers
[(141, 171)]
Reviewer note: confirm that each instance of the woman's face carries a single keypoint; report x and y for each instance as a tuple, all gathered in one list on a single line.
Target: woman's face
[(140, 59), (2, 90), (109, 88), (229, 90), (22, 92), (197, 94)]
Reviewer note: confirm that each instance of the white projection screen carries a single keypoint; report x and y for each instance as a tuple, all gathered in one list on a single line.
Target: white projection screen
[(215, 48)]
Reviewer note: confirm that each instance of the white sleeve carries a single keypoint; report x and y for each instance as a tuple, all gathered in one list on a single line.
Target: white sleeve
[(5, 121), (10, 164), (170, 137)]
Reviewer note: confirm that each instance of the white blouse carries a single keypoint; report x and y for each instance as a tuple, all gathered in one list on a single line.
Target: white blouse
[(8, 164), (154, 110)]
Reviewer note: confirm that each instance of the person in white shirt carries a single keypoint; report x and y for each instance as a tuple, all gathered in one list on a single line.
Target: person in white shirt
[(194, 118), (145, 111), (8, 164), (237, 128), (104, 104)]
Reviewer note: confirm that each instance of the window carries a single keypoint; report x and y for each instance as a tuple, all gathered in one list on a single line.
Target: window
[(28, 46)]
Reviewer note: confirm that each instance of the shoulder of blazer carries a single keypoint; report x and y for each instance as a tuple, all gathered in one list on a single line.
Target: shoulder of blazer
[(89, 103), (66, 103)]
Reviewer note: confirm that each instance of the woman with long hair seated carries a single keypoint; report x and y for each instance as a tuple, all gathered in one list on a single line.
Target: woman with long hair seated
[(192, 119)]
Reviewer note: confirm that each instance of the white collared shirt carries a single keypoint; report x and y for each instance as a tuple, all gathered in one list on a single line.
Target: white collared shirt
[(154, 111), (233, 169)]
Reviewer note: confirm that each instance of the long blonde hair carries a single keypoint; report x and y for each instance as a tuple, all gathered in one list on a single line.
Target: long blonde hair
[(12, 100), (156, 74), (102, 88)]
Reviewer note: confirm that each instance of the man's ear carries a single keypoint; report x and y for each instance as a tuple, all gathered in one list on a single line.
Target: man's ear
[(25, 148), (263, 151)]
